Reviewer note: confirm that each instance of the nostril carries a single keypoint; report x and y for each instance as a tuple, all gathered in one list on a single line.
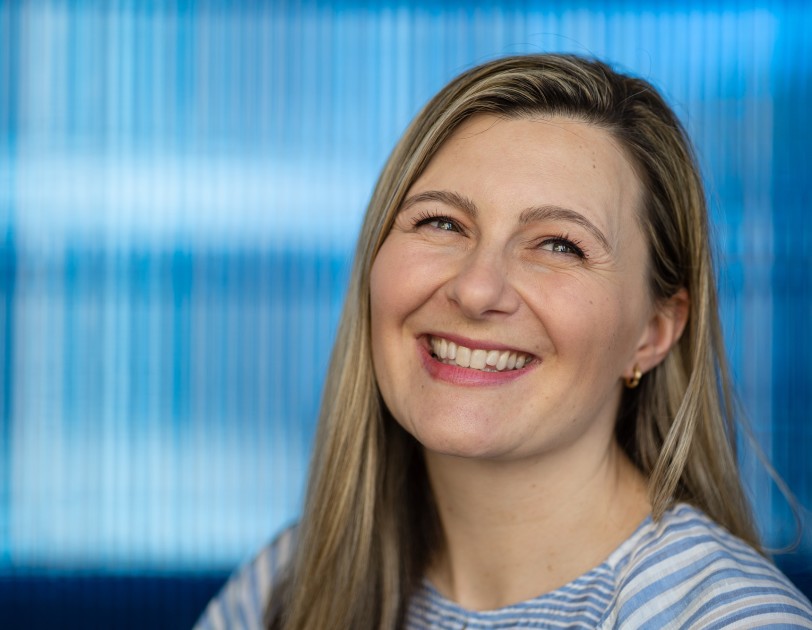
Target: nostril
[(482, 288)]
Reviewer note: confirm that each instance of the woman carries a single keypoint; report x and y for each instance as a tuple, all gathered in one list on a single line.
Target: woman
[(527, 419)]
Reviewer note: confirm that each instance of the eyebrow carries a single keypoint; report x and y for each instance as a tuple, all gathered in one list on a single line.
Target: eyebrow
[(536, 213), (557, 213), (443, 196)]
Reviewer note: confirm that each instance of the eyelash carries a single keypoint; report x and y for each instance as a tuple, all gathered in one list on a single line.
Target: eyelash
[(565, 240), (425, 217)]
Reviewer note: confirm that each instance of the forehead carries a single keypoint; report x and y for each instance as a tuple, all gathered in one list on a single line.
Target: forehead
[(523, 162)]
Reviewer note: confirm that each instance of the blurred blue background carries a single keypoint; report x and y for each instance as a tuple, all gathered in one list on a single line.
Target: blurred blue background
[(180, 188)]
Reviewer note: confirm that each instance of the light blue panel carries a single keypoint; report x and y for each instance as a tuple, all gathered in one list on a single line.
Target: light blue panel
[(180, 189)]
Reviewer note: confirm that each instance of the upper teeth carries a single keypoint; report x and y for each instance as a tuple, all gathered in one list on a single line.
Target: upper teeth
[(488, 360)]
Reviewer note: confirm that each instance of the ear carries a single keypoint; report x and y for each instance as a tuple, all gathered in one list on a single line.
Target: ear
[(661, 333)]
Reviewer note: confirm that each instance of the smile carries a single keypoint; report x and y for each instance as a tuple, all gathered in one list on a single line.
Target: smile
[(451, 353)]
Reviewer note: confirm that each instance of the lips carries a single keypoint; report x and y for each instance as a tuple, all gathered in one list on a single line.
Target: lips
[(483, 359)]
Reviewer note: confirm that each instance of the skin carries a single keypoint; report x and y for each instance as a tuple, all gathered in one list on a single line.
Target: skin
[(521, 234)]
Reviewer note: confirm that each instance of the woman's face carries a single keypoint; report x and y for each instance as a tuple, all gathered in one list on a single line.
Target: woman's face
[(510, 297)]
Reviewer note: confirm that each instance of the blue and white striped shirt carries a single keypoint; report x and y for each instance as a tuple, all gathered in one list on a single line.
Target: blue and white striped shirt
[(683, 571)]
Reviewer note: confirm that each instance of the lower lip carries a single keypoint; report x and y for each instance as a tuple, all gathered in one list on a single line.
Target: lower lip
[(466, 376)]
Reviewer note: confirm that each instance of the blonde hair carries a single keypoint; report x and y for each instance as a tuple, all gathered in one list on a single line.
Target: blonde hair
[(369, 523)]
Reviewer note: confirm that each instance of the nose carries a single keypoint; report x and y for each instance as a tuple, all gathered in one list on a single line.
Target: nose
[(481, 287)]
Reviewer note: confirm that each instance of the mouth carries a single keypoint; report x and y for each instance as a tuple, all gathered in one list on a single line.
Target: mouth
[(482, 359)]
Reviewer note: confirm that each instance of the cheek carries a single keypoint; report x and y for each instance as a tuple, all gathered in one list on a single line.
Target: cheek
[(586, 319), (379, 307), (392, 297), (385, 290), (382, 300), (402, 279)]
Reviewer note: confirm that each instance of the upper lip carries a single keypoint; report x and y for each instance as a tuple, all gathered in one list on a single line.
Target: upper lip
[(475, 344)]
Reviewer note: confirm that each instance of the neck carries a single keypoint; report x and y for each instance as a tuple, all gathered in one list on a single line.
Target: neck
[(510, 528)]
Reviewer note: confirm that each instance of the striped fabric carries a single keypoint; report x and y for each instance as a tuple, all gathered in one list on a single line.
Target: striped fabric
[(683, 571)]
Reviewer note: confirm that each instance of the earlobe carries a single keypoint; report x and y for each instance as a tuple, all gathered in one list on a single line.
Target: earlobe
[(663, 331)]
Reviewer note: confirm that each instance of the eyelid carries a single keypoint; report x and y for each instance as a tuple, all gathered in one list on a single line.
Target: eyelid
[(427, 216), (567, 241)]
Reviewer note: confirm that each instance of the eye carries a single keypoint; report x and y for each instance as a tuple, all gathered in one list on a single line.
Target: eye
[(443, 224), (437, 222), (562, 245)]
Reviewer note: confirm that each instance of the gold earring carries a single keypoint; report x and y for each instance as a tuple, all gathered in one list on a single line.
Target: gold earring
[(634, 380)]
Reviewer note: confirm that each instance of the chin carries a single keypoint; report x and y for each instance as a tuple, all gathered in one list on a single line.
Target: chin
[(470, 443)]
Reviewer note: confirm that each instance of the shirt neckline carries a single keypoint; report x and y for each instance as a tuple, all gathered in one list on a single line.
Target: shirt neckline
[(566, 591)]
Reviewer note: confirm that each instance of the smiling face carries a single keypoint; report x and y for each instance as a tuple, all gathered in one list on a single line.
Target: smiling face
[(511, 295)]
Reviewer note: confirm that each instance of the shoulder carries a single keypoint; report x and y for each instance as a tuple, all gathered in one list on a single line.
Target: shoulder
[(241, 602), (686, 571)]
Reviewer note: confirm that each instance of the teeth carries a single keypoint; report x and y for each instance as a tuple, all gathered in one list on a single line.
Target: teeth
[(501, 364), (463, 356), (477, 359)]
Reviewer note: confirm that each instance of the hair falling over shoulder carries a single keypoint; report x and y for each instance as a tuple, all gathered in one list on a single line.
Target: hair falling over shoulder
[(369, 525)]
